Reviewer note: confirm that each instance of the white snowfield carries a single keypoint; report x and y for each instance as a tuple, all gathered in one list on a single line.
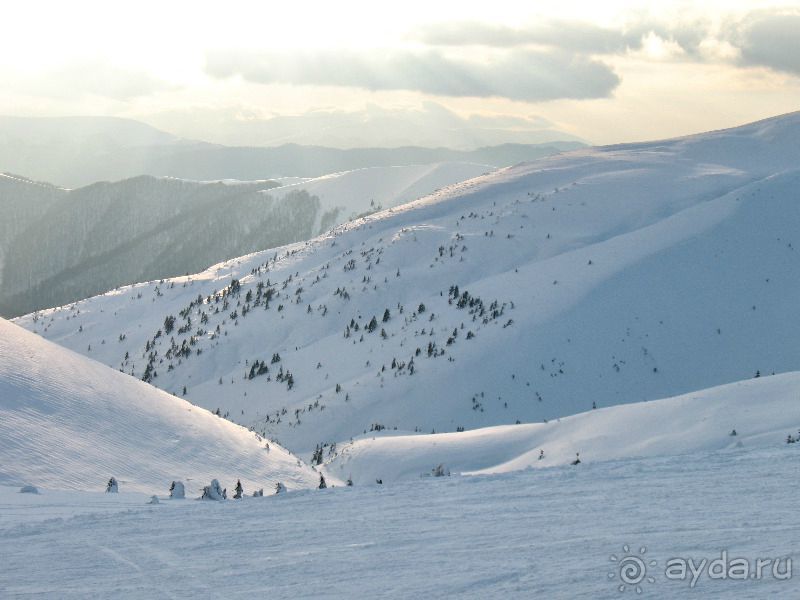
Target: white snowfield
[(608, 275), (68, 422), (757, 413), (561, 532)]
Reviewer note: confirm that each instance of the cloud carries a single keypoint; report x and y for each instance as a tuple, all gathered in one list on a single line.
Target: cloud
[(518, 74), (574, 36), (770, 40), (87, 78), (103, 79)]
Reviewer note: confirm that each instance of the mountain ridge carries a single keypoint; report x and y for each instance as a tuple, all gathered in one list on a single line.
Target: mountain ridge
[(75, 152), (603, 275)]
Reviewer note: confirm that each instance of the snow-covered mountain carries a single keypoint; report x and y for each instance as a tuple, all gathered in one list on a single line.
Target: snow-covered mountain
[(59, 246), (604, 276), (760, 412), (67, 422)]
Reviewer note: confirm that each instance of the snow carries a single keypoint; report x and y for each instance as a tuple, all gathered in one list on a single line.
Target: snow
[(621, 274), (68, 422), (548, 533), (762, 411), (361, 190), (656, 281)]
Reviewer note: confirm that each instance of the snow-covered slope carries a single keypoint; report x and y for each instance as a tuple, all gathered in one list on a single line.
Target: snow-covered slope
[(67, 422), (609, 275), (361, 191), (762, 412)]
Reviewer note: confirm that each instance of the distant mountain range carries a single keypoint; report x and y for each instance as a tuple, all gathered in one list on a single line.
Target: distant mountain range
[(78, 151)]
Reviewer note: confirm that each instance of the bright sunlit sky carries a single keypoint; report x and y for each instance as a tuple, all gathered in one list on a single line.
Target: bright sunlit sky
[(257, 72)]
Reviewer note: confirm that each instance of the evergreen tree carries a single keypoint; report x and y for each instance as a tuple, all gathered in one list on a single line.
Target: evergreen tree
[(373, 324), (239, 490), (169, 324), (322, 484)]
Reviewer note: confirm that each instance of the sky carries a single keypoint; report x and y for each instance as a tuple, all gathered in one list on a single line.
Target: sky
[(434, 73)]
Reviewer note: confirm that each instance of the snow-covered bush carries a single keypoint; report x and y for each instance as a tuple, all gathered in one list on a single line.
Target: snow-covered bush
[(213, 491), (440, 471), (112, 487), (28, 489), (177, 491), (153, 500)]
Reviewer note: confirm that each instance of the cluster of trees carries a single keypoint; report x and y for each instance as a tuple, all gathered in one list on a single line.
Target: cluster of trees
[(264, 293), (257, 368)]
